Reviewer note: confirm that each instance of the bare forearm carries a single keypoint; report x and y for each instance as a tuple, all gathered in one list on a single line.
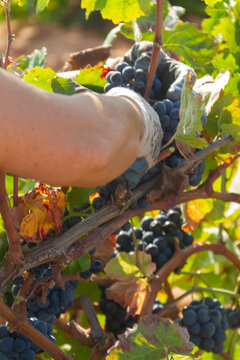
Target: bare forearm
[(83, 140)]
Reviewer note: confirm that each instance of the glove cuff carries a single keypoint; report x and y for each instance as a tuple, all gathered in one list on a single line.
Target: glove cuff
[(151, 139)]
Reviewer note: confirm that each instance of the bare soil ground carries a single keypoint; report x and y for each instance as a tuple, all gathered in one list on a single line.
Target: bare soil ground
[(59, 41)]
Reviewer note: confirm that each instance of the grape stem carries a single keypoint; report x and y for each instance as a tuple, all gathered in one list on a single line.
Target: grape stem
[(156, 48), (96, 331), (75, 331), (15, 190)]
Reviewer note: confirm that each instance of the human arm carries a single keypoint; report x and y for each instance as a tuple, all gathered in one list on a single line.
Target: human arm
[(82, 140)]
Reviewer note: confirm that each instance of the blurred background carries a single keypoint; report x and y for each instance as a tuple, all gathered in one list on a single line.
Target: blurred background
[(63, 29)]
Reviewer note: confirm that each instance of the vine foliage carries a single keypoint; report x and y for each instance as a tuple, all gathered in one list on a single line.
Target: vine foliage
[(55, 229)]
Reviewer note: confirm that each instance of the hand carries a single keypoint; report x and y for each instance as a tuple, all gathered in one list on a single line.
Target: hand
[(171, 72)]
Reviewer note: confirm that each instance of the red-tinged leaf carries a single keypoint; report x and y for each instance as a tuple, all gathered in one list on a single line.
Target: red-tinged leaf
[(105, 249), (40, 211), (185, 151), (195, 212), (93, 77), (93, 196), (131, 272), (154, 338), (130, 294)]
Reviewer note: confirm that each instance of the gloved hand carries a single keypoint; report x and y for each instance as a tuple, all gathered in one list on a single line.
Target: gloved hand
[(171, 72), (150, 142)]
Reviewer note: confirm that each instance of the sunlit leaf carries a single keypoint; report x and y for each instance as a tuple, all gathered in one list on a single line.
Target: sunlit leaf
[(129, 293), (154, 338), (190, 125), (131, 287), (230, 120), (212, 2), (135, 265), (195, 211), (211, 89), (93, 77), (118, 11), (28, 62), (40, 211), (41, 5), (41, 78)]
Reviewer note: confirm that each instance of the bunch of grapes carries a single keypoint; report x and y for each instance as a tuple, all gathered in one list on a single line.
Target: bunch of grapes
[(156, 236), (126, 76), (57, 301), (15, 346), (135, 78), (233, 317), (117, 320), (206, 321)]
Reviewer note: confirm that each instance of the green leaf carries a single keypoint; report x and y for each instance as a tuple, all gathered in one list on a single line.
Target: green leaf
[(63, 86), (214, 118), (79, 265), (118, 11), (41, 77), (135, 265), (194, 46), (215, 15), (212, 2), (36, 58), (93, 77), (41, 4), (229, 123), (147, 23), (190, 118), (154, 338), (22, 2), (3, 246), (184, 39), (112, 34), (77, 196)]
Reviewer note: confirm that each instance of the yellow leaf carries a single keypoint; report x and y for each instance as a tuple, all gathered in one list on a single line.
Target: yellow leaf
[(195, 211), (40, 211)]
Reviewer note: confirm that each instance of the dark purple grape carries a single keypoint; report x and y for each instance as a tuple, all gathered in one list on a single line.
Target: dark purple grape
[(160, 108), (121, 66), (148, 237), (96, 266), (189, 317), (116, 78), (128, 73), (139, 87), (207, 329), (165, 121), (141, 75), (145, 222), (152, 250), (168, 103), (174, 114)]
